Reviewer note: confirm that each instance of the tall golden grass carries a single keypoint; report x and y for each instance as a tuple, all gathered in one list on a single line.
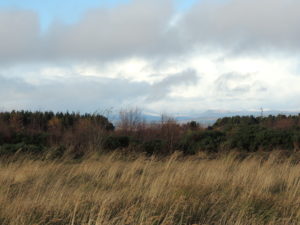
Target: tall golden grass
[(109, 189)]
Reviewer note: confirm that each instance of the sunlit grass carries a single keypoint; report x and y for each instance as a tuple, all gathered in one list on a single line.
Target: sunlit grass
[(109, 189)]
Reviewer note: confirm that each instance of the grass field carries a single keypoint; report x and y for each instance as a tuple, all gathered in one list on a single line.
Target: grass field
[(112, 189)]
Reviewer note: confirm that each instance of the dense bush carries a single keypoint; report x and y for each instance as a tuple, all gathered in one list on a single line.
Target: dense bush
[(252, 138), (154, 146), (243, 138), (1, 139), (207, 140), (11, 149), (281, 139), (34, 139), (115, 142)]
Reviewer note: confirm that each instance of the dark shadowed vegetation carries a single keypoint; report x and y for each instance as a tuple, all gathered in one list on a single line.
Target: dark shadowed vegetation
[(71, 134)]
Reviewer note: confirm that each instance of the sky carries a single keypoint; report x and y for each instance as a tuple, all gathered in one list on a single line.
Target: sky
[(170, 56)]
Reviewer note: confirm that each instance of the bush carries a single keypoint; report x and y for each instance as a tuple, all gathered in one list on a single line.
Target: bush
[(243, 138), (153, 147), (34, 139), (252, 138), (10, 149), (296, 139), (115, 142), (208, 140), (272, 139), (1, 139)]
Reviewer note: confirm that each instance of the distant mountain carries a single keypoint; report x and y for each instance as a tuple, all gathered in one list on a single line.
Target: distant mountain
[(210, 116)]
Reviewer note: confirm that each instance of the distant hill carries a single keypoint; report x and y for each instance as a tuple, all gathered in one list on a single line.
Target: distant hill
[(208, 117)]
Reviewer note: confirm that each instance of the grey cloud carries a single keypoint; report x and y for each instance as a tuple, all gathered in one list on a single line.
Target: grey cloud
[(139, 28), (13, 93), (76, 93), (19, 34), (142, 28), (234, 85), (244, 24), (161, 89), (102, 33), (89, 93)]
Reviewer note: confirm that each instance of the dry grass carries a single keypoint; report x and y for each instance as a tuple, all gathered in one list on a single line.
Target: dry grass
[(110, 190)]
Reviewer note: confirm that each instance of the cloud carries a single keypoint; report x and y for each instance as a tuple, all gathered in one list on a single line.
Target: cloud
[(146, 29), (145, 52), (76, 93), (244, 25), (239, 86), (163, 88), (125, 30), (86, 92), (19, 37), (139, 28)]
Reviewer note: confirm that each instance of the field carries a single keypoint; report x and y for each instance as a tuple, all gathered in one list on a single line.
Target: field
[(117, 189)]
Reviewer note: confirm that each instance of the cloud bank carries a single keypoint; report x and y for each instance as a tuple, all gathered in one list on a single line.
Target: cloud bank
[(233, 54), (144, 28)]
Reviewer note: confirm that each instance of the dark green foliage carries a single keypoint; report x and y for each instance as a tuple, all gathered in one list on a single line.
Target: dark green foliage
[(34, 139), (115, 142), (270, 139), (275, 122), (252, 138), (243, 138), (207, 140), (154, 146), (230, 122), (193, 125), (246, 133), (1, 139), (296, 136), (10, 149)]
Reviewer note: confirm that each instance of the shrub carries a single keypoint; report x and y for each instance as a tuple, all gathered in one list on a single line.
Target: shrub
[(1, 139), (10, 149), (296, 139), (114, 142), (208, 140), (243, 138), (252, 138), (154, 146), (272, 139)]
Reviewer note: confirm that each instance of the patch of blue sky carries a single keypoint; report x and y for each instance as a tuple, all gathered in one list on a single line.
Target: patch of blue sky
[(183, 5), (67, 11), (70, 11)]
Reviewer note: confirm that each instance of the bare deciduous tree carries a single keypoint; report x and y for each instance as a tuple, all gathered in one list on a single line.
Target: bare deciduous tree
[(130, 119)]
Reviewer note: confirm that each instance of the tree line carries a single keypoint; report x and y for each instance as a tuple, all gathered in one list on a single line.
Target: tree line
[(59, 134)]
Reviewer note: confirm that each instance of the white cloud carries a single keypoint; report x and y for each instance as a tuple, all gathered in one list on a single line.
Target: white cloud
[(211, 84)]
